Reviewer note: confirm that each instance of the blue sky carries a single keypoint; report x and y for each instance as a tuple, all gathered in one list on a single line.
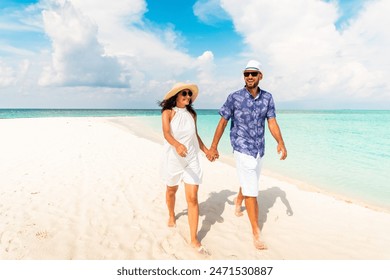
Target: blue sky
[(127, 53), (212, 35)]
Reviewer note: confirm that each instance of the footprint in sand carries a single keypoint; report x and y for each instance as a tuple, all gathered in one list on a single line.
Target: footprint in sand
[(42, 235), (9, 242), (142, 245), (232, 257), (110, 243), (167, 247)]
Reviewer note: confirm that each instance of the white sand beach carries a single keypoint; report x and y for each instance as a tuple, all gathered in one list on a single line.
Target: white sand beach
[(89, 189)]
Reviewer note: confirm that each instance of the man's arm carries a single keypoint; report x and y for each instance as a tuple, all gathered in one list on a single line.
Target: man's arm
[(277, 134), (213, 151)]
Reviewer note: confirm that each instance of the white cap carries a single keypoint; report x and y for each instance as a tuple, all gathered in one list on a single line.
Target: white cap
[(253, 65)]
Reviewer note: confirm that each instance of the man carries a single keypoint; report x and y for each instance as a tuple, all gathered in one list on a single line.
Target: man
[(248, 108)]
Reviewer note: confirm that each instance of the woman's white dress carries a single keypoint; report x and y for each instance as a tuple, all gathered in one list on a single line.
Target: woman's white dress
[(174, 167)]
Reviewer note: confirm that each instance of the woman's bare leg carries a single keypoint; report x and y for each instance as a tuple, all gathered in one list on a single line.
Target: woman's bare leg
[(171, 199), (193, 212)]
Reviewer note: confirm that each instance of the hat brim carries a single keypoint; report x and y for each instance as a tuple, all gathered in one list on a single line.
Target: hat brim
[(252, 68), (179, 87)]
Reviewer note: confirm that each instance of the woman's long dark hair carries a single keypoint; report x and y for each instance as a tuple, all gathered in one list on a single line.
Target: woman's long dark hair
[(169, 103)]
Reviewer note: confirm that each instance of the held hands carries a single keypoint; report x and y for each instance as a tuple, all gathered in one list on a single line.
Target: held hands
[(212, 154)]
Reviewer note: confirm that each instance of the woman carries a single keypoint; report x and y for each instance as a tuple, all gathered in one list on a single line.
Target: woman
[(180, 161)]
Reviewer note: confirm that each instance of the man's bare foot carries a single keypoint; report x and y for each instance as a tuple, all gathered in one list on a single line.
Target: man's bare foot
[(237, 209), (172, 222), (260, 245)]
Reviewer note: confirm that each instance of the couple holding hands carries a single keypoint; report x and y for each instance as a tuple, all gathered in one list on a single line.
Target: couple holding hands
[(247, 109)]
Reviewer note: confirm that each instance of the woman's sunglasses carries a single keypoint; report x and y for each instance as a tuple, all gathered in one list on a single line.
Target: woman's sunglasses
[(185, 92), (254, 74)]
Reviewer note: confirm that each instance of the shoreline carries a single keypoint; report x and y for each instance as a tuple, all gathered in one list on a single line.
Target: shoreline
[(137, 126), (89, 189)]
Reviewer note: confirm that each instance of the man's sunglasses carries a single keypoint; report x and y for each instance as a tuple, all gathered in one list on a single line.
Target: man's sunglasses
[(185, 92), (254, 74)]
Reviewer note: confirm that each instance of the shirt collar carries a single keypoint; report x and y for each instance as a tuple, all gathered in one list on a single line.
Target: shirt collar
[(258, 93)]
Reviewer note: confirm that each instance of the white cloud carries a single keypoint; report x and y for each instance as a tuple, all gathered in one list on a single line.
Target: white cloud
[(108, 49), (7, 75), (95, 43), (206, 66), (305, 56), (210, 11), (13, 74), (100, 43), (111, 13), (10, 26), (77, 58), (124, 33), (16, 51), (367, 41)]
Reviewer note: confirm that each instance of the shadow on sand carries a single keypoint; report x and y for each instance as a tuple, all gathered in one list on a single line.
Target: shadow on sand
[(214, 206), (266, 201), (212, 209)]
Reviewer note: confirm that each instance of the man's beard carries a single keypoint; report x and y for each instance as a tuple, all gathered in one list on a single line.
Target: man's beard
[(254, 85)]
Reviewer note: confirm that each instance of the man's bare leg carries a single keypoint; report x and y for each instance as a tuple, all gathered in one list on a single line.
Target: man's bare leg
[(171, 199), (238, 202), (253, 214)]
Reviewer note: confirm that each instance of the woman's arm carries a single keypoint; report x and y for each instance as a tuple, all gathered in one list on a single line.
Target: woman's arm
[(166, 120)]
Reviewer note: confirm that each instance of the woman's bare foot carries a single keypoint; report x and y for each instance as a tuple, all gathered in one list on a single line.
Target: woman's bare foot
[(172, 222), (237, 210), (260, 245), (200, 249)]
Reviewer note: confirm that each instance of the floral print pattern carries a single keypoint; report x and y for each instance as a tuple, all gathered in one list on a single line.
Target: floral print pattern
[(248, 115)]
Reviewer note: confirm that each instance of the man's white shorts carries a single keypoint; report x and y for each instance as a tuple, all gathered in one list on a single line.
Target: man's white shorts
[(248, 169)]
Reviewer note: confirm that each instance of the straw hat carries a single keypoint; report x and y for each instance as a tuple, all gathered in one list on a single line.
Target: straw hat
[(179, 87)]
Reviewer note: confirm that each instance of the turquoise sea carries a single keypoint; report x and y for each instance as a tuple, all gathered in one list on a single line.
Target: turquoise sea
[(345, 152)]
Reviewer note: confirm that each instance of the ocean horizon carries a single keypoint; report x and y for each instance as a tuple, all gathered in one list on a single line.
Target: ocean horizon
[(344, 152)]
